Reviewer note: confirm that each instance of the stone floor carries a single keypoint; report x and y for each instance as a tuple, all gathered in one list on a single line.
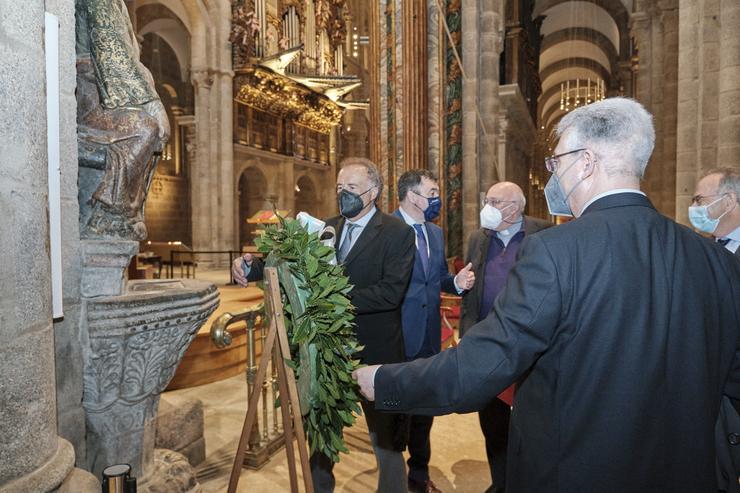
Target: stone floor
[(458, 455)]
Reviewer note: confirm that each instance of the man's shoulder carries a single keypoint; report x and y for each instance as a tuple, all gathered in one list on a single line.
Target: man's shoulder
[(476, 236), (392, 222), (534, 224)]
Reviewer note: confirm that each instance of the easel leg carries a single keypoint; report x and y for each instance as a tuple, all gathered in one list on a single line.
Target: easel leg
[(251, 414), (287, 424)]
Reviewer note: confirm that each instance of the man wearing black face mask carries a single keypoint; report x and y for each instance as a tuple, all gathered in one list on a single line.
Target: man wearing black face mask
[(418, 193), (377, 251)]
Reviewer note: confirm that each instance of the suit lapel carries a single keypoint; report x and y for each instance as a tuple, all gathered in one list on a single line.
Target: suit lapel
[(369, 232)]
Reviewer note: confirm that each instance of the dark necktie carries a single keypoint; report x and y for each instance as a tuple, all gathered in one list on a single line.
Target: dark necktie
[(723, 241), (421, 243), (347, 243)]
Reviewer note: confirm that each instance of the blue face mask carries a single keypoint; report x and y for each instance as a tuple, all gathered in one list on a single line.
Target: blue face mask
[(434, 205), (557, 200), (699, 217)]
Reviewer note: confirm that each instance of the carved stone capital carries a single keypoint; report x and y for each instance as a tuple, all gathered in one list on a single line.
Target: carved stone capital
[(202, 79)]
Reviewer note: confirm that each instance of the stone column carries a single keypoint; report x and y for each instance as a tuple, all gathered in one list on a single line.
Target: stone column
[(470, 126), (33, 458), (227, 212), (415, 84), (481, 25), (688, 105), (200, 185), (490, 49), (729, 84)]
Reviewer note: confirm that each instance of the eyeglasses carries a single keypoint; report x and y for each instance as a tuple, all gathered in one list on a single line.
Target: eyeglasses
[(496, 202), (700, 199), (552, 162)]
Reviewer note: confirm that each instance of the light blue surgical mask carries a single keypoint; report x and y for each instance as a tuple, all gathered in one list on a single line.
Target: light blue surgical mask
[(699, 217), (557, 199)]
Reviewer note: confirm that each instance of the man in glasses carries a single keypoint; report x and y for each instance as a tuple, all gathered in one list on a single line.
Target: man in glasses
[(492, 250), (715, 209), (622, 327)]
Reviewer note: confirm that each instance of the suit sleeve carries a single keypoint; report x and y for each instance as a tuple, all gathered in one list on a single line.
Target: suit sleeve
[(732, 384), (493, 353), (388, 293), (256, 270)]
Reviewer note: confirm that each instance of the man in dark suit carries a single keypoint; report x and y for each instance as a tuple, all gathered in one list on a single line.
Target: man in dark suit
[(419, 204), (492, 250), (377, 251), (622, 325), (715, 208)]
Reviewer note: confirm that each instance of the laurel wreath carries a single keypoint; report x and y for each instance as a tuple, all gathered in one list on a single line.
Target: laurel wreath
[(319, 321)]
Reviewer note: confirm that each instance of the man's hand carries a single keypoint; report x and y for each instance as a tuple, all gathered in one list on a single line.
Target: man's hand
[(466, 277), (366, 380), (237, 272)]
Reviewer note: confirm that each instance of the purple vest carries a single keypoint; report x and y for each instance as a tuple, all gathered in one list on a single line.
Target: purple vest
[(499, 262)]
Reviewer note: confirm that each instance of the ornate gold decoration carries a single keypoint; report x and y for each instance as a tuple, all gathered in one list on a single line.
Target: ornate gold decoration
[(267, 91)]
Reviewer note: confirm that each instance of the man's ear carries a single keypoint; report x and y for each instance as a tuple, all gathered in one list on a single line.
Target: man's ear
[(588, 164)]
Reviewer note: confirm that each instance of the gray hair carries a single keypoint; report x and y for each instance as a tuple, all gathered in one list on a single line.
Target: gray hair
[(729, 181), (619, 130), (372, 171)]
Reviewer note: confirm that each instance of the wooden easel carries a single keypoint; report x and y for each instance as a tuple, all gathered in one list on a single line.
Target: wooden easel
[(289, 404)]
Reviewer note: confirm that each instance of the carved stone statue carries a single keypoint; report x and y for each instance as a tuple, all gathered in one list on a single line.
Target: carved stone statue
[(122, 125)]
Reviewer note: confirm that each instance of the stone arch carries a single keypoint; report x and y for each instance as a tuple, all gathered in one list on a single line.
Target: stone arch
[(252, 195), (583, 34), (581, 62), (615, 8), (306, 196), (581, 14)]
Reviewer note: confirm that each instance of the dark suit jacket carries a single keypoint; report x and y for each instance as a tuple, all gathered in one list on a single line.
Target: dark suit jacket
[(478, 244), (627, 326), (422, 332), (379, 266)]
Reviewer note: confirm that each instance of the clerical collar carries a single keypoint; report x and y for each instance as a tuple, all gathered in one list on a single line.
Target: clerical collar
[(511, 230)]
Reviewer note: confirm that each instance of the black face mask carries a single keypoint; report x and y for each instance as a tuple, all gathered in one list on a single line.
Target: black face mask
[(350, 203)]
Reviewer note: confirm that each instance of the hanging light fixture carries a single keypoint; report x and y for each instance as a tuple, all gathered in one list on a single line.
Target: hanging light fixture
[(585, 91)]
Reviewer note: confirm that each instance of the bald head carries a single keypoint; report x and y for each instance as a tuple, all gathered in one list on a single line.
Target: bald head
[(509, 199)]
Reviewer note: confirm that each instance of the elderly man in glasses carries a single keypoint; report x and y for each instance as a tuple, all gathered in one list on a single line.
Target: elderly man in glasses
[(492, 251), (622, 326), (715, 209)]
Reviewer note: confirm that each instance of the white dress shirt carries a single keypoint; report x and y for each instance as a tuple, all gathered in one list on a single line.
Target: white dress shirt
[(734, 238)]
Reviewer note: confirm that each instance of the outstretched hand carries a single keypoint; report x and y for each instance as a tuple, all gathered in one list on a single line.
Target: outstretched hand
[(466, 277), (365, 378), (237, 272)]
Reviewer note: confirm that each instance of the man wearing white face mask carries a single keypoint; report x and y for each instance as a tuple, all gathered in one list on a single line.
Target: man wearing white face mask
[(715, 208), (492, 250)]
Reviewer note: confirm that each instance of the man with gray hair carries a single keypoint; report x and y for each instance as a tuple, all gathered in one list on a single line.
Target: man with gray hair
[(714, 208), (622, 327)]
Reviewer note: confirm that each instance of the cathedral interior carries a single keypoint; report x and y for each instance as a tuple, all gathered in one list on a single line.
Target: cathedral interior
[(264, 99)]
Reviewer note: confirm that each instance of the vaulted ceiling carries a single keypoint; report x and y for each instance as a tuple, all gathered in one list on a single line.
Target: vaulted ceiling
[(582, 39)]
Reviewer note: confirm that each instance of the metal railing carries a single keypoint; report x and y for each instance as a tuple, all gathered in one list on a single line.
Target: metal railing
[(266, 437)]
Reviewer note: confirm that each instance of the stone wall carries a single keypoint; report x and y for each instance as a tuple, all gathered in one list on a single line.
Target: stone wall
[(33, 457), (168, 209)]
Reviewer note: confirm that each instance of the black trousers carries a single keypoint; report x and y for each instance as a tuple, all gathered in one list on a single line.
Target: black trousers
[(494, 422), (420, 450)]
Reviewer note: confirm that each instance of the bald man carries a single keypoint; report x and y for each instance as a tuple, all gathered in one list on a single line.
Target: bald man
[(492, 250)]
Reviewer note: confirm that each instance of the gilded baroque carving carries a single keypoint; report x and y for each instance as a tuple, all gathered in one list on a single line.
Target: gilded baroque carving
[(279, 95)]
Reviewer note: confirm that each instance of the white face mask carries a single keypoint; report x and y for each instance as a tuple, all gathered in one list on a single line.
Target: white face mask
[(490, 217)]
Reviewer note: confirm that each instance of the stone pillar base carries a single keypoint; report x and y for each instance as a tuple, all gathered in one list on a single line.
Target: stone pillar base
[(80, 481), (172, 474), (47, 477)]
